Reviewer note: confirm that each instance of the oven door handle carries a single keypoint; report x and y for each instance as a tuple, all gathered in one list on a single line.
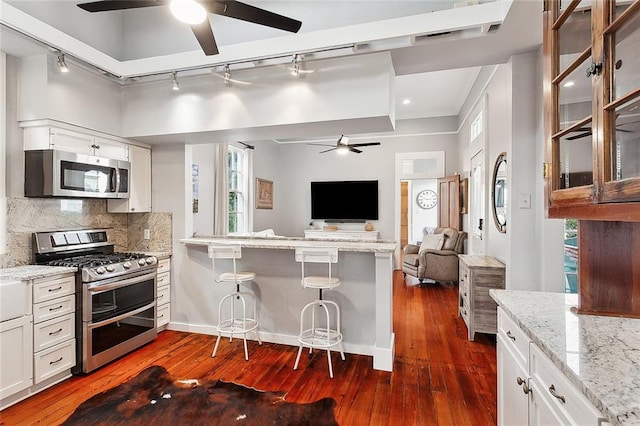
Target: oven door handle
[(121, 317), (123, 283)]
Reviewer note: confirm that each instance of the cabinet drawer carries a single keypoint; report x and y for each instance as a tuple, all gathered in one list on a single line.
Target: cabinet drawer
[(54, 308), (514, 338), (49, 333), (463, 273), (164, 295), (163, 279), (164, 314), (47, 289), (52, 361), (164, 265), (548, 379)]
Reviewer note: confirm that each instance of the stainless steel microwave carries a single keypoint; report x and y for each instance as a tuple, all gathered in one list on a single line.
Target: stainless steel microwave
[(53, 173)]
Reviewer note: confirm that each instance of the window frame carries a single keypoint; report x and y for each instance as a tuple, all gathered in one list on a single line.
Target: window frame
[(240, 167)]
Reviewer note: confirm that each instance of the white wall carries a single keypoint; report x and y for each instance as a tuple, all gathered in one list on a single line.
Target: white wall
[(78, 97), (419, 218), (271, 104)]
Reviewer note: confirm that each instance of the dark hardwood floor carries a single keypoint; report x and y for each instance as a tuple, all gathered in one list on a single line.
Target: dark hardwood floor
[(439, 377)]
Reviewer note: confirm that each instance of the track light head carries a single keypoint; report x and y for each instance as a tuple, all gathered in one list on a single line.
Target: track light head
[(295, 67), (62, 64), (174, 81), (227, 75)]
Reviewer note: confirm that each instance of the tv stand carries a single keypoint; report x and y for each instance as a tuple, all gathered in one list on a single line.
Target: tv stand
[(320, 234)]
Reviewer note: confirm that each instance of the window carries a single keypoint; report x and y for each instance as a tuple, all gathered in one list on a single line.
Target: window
[(476, 126), (237, 164), (570, 256)]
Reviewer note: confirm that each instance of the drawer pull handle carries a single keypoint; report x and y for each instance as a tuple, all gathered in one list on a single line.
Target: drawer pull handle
[(511, 336), (55, 289), (56, 361), (552, 391), (161, 316), (56, 308), (55, 332), (519, 380)]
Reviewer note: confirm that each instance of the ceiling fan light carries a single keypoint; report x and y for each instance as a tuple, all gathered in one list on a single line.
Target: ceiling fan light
[(188, 11), (342, 149)]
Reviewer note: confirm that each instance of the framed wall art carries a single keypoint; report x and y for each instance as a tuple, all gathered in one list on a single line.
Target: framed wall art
[(264, 194)]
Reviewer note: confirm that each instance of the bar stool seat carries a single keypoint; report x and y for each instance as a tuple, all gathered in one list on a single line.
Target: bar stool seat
[(239, 323), (318, 335)]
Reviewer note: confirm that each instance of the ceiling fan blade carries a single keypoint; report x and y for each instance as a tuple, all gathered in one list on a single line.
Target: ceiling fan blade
[(107, 5), (246, 12), (365, 144), (580, 136), (204, 34), (352, 149), (332, 149), (321, 144)]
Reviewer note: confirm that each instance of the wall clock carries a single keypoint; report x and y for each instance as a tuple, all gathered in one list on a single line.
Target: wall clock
[(427, 199)]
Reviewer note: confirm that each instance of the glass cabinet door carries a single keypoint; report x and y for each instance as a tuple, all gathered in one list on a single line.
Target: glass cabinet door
[(592, 102), (622, 103)]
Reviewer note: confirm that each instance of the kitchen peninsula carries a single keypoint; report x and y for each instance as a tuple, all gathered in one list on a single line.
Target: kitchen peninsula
[(365, 268)]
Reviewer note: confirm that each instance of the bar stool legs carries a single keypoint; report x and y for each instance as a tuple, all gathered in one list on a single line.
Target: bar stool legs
[(237, 324), (318, 337)]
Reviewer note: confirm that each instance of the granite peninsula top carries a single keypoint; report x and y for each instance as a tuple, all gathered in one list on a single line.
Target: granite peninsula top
[(282, 242), (30, 272), (600, 355)]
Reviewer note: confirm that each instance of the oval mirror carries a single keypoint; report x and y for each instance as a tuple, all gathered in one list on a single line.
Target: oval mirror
[(499, 193)]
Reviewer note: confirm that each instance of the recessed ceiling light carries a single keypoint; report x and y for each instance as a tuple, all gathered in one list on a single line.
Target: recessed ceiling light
[(406, 101), (569, 83)]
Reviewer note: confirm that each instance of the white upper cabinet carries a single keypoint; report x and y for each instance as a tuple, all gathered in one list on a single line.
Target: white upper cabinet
[(139, 184), (87, 143)]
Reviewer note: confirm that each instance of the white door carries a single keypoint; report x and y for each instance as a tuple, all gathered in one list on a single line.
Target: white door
[(477, 223)]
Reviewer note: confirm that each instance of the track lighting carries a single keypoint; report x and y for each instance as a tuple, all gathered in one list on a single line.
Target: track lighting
[(62, 65), (174, 81), (227, 75), (295, 69), (188, 11)]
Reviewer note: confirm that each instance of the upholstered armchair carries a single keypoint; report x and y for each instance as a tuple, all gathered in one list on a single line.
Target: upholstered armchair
[(427, 261)]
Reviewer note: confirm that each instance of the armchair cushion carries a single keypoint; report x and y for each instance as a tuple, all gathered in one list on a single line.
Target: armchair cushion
[(432, 242)]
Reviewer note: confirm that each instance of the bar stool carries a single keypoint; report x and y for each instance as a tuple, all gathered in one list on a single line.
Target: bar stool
[(240, 324), (319, 335)]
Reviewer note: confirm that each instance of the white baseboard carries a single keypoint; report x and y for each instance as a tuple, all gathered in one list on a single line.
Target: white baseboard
[(280, 339)]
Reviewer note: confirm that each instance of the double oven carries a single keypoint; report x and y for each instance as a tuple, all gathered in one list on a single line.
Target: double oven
[(115, 293)]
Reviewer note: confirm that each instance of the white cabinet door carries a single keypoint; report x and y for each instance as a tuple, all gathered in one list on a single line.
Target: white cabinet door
[(16, 355), (110, 149), (542, 413), (139, 184), (67, 140), (512, 381)]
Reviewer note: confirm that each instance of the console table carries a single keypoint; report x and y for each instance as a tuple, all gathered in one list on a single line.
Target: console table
[(341, 234), (477, 275)]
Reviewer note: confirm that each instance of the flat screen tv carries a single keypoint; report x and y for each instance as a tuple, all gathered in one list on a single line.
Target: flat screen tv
[(344, 201)]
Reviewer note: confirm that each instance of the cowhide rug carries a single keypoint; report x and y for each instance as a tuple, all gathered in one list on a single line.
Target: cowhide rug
[(153, 397)]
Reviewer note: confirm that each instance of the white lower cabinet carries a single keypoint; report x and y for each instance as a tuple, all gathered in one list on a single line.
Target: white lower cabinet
[(53, 326), (16, 355), (532, 390), (163, 296)]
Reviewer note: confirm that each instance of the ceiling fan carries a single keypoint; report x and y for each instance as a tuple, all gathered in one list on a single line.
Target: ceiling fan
[(342, 146), (195, 13)]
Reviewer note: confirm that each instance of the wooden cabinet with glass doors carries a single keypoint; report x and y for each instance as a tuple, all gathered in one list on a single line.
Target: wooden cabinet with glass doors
[(592, 134)]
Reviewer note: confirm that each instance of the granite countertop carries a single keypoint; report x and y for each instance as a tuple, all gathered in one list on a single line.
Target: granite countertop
[(158, 254), (281, 242), (30, 272), (600, 355)]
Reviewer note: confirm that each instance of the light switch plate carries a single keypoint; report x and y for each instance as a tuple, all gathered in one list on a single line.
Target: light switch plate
[(146, 234), (524, 201)]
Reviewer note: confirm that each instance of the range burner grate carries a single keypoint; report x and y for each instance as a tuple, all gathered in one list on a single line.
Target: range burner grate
[(93, 260)]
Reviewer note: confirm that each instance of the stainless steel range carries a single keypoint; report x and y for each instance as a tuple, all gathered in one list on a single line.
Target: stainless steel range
[(115, 293)]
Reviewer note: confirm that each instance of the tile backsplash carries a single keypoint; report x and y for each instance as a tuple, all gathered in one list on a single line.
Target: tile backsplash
[(28, 215)]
